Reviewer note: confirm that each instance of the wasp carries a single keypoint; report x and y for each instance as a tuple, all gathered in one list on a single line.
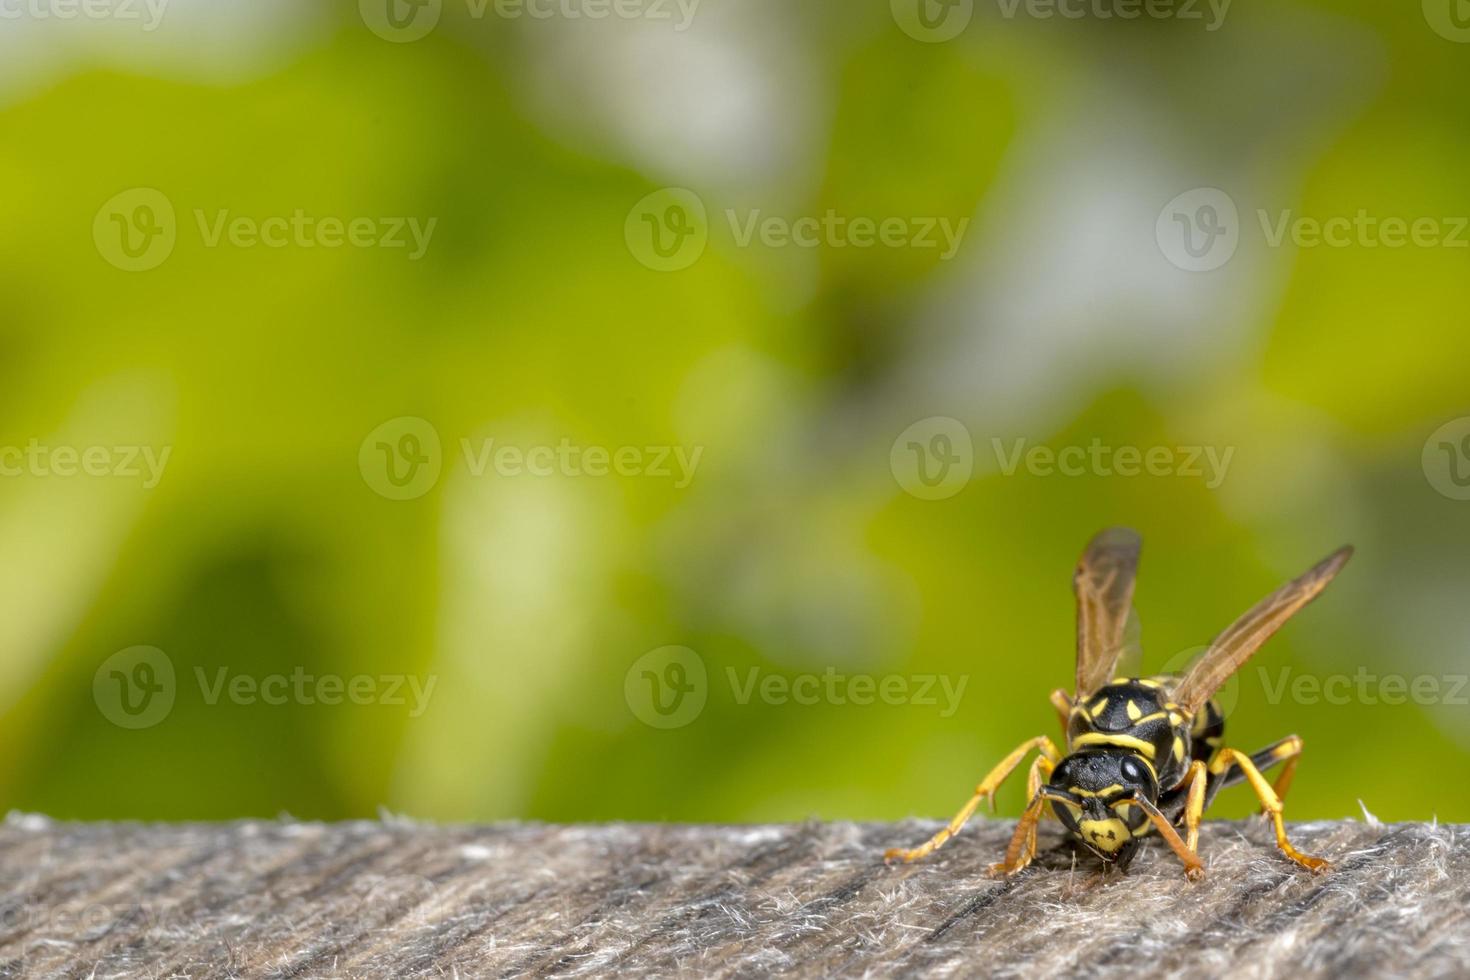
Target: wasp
[(1144, 754)]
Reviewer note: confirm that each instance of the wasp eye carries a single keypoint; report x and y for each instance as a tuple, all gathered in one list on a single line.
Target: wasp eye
[(1133, 771)]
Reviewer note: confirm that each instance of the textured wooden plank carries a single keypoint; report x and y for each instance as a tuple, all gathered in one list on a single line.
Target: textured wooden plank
[(395, 899)]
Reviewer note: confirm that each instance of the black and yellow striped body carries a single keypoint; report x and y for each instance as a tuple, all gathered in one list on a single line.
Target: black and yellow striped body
[(1130, 737)]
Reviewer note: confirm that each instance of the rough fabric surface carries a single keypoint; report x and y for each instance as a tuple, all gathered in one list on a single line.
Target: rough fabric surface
[(396, 899)]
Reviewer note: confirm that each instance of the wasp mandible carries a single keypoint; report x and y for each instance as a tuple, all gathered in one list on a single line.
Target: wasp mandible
[(1144, 754)]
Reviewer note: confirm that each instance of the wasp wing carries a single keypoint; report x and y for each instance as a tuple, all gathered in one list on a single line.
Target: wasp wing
[(1104, 587), (1232, 648)]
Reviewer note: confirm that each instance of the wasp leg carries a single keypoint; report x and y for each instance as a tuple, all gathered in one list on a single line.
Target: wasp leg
[(1288, 750), (1041, 769), (1022, 848), (1062, 701), (1197, 779), (1193, 870), (1272, 804), (986, 790)]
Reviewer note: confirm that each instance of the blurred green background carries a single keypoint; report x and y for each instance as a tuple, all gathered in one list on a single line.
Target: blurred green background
[(810, 376)]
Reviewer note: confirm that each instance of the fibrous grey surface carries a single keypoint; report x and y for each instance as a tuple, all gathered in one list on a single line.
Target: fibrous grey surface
[(397, 899)]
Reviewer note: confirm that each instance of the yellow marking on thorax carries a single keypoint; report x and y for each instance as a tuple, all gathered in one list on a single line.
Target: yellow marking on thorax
[(1121, 741), (1178, 748), (1099, 706), (1134, 711)]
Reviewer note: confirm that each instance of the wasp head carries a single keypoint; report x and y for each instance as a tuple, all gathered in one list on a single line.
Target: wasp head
[(1095, 794)]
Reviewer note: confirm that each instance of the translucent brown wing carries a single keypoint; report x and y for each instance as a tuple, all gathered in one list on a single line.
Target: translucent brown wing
[(1232, 648), (1104, 587)]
